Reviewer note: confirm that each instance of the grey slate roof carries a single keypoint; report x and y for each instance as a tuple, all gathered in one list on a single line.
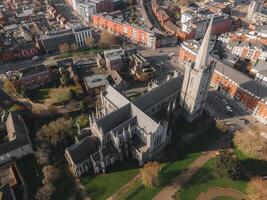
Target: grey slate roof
[(15, 126), (241, 79), (83, 149), (155, 95), (114, 119)]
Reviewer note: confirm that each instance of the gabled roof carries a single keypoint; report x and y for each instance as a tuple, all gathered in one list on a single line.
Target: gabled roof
[(17, 129), (155, 95), (83, 149)]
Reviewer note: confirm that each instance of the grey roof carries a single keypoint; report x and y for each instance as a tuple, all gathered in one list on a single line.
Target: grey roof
[(83, 149), (94, 81), (149, 99), (114, 119), (115, 97), (16, 127), (127, 111), (241, 79), (260, 65)]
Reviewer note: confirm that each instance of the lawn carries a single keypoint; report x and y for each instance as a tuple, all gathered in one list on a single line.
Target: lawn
[(204, 179), (102, 186), (177, 158), (168, 172), (53, 96)]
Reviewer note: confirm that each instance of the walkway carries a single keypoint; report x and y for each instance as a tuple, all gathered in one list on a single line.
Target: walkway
[(212, 193), (175, 185)]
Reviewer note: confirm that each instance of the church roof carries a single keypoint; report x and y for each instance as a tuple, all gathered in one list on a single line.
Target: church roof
[(115, 118), (80, 151), (115, 97), (157, 94)]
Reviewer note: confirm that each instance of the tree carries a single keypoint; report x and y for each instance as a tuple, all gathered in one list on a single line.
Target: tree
[(226, 165), (252, 145), (89, 42), (45, 192), (83, 106), (73, 47), (9, 88), (51, 174), (42, 153), (24, 91), (257, 189), (83, 121), (107, 40), (64, 48), (56, 131), (150, 174), (65, 79)]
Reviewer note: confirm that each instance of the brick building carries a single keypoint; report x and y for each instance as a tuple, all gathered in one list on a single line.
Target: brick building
[(136, 34), (245, 91), (31, 78)]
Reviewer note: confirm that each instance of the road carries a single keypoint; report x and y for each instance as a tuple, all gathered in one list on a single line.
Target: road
[(216, 105)]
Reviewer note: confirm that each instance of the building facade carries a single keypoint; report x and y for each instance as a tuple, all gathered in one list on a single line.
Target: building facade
[(18, 143), (120, 128), (197, 81), (246, 92)]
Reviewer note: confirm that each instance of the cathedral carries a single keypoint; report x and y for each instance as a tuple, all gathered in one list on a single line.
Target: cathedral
[(121, 128)]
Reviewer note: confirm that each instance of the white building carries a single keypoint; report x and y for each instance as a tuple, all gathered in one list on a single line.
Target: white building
[(261, 77), (81, 33), (86, 10)]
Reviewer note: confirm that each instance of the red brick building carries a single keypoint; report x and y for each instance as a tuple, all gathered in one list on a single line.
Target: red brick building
[(18, 53), (245, 91), (134, 33)]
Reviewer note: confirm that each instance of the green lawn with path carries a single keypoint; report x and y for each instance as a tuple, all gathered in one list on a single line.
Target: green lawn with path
[(178, 160), (102, 186), (204, 179)]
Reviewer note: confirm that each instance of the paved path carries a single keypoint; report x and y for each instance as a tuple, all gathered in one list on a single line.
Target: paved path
[(212, 193), (170, 189)]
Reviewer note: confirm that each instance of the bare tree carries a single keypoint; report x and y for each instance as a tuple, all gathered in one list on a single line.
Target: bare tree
[(64, 48), (73, 47), (9, 88), (150, 174), (89, 42), (45, 192), (107, 40), (253, 145), (257, 189), (51, 174), (56, 131)]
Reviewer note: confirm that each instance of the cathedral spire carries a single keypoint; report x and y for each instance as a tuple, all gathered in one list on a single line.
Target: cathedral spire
[(203, 52)]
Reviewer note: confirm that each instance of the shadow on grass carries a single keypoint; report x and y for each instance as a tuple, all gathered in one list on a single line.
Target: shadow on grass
[(254, 166)]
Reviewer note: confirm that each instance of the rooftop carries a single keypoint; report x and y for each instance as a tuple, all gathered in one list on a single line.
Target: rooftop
[(95, 81)]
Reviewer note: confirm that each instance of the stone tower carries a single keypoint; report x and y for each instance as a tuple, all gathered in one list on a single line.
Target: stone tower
[(197, 80)]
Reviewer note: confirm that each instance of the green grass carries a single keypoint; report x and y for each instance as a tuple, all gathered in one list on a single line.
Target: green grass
[(255, 166), (204, 179), (223, 198), (177, 159), (102, 186), (168, 172)]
